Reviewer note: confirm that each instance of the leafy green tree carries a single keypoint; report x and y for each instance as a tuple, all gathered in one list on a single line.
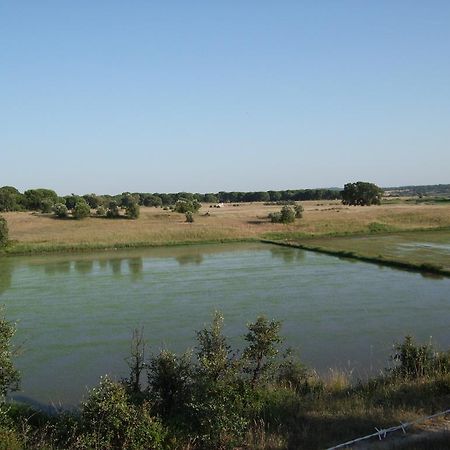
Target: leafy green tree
[(9, 376), (81, 209), (362, 194), (47, 205), (262, 338), (4, 232), (34, 198), (71, 200), (101, 211), (92, 200), (132, 211), (60, 210), (113, 210), (11, 199), (183, 206), (213, 351)]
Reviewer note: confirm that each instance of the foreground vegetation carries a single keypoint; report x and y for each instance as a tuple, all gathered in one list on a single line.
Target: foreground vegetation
[(219, 397)]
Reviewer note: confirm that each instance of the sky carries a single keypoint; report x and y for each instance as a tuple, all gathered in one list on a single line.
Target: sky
[(109, 96)]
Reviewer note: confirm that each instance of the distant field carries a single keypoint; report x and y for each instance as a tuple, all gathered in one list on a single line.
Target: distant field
[(35, 232)]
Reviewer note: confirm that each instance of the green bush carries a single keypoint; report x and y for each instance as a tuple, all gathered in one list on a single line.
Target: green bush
[(110, 420), (183, 206), (132, 211), (416, 361), (298, 209), (4, 233), (286, 215), (189, 217), (9, 376), (81, 210), (47, 205), (60, 210), (113, 210)]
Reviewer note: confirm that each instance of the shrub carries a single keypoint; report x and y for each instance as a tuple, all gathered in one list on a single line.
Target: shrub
[(47, 205), (60, 210), (132, 211), (109, 420), (113, 210), (183, 206), (9, 376), (189, 217), (286, 215), (81, 210), (3, 231), (416, 361), (101, 211), (298, 211), (261, 350)]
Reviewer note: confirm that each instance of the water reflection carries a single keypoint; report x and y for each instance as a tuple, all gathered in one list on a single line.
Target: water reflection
[(189, 259), (6, 271), (84, 266), (288, 254), (136, 266), (57, 267)]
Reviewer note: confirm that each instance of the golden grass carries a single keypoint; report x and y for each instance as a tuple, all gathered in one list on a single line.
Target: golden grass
[(247, 221)]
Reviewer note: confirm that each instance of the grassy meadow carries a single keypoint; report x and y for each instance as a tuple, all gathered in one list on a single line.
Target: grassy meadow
[(35, 232)]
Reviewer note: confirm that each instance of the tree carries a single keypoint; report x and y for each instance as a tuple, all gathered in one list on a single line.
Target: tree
[(60, 210), (113, 210), (132, 211), (189, 217), (262, 338), (34, 198), (3, 231), (298, 211), (361, 193), (9, 376), (183, 206), (11, 199), (81, 209), (286, 215)]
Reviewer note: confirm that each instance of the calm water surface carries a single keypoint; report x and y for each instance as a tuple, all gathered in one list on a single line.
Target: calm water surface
[(75, 314)]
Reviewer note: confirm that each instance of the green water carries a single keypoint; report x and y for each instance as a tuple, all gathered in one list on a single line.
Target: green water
[(75, 314)]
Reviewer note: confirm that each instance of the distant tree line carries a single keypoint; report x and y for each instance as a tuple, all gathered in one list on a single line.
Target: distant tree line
[(44, 200)]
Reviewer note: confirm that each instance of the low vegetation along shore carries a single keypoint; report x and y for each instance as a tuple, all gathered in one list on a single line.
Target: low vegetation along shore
[(216, 397), (378, 234)]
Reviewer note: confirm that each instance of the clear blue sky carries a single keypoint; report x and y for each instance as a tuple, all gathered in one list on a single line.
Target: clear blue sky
[(110, 95)]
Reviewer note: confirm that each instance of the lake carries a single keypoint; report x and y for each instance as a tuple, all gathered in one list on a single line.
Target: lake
[(75, 313)]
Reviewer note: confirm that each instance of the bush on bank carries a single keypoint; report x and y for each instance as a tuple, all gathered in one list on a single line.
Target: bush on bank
[(217, 397)]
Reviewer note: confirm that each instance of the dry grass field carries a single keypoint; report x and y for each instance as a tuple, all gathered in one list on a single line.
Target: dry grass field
[(155, 226)]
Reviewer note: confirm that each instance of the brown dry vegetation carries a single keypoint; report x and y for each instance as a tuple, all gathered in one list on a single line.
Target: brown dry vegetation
[(158, 227)]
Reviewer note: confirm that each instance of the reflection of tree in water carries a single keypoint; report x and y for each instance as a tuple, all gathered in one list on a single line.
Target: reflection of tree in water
[(136, 266), (116, 265), (103, 263), (189, 259), (84, 266), (6, 271), (57, 267), (288, 254)]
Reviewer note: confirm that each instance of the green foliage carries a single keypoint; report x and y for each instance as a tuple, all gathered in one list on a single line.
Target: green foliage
[(262, 338), (113, 210), (101, 211), (132, 211), (9, 376), (170, 382), (81, 209), (183, 206), (416, 361), (34, 198), (286, 215), (60, 210), (361, 193), (298, 209), (110, 420), (213, 352), (189, 217), (11, 199), (4, 233), (92, 200), (71, 200)]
